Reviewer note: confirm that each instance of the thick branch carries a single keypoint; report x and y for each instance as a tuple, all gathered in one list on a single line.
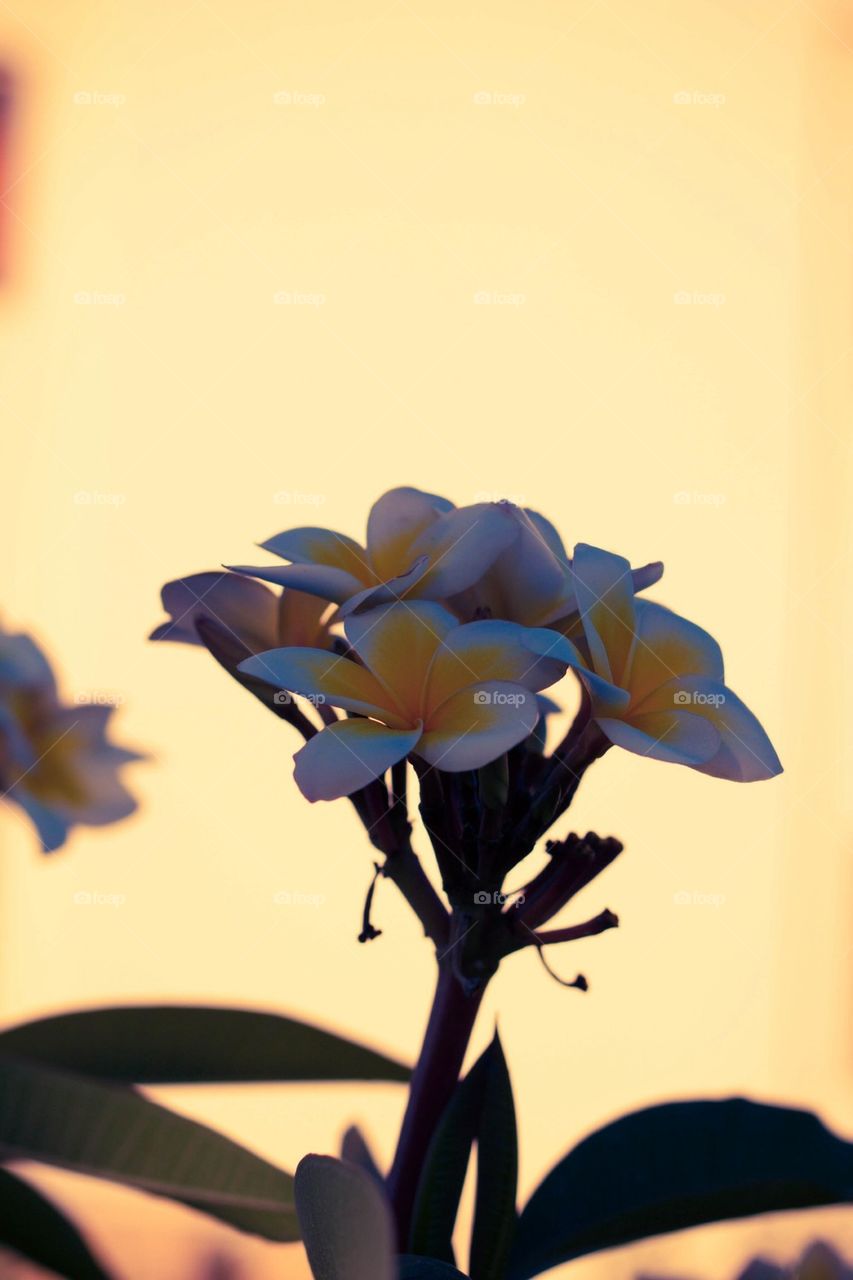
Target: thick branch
[(445, 1043)]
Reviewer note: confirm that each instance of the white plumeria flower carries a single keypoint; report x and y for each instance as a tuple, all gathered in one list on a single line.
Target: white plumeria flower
[(456, 696), (655, 680), (418, 546)]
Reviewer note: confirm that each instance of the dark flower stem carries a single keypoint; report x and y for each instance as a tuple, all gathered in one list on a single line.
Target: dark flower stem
[(404, 868), (451, 1022)]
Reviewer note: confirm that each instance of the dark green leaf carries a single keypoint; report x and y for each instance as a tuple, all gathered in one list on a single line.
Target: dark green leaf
[(481, 1110), (170, 1044), (497, 1173), (677, 1166), (115, 1133), (34, 1228), (412, 1268), (446, 1163)]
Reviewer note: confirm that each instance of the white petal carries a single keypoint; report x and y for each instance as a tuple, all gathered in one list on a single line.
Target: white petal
[(478, 724), (668, 646), (744, 752), (494, 650), (246, 609), (321, 677), (461, 546), (326, 581), (346, 756), (605, 594), (397, 642), (394, 591), (319, 546), (346, 1223), (395, 521), (675, 736)]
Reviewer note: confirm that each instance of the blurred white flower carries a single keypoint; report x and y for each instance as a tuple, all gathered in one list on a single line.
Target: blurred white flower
[(56, 761)]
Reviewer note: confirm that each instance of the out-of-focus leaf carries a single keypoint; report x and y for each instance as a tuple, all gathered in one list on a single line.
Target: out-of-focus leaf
[(355, 1149), (347, 1227), (821, 1262), (480, 1109), (34, 1228), (115, 1133), (676, 1166), (173, 1044)]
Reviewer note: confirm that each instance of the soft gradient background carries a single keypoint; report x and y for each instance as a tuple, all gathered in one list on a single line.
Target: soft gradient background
[(247, 248)]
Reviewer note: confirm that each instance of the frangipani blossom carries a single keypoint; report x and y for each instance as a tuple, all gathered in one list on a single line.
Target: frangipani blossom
[(247, 610), (56, 762), (456, 696), (655, 680), (418, 546), (531, 580)]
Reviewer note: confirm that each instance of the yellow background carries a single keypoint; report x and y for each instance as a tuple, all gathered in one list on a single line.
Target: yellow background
[(583, 164)]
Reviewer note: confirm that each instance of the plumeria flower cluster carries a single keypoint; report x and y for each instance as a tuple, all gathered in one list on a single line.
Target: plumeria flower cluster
[(430, 645), (56, 760)]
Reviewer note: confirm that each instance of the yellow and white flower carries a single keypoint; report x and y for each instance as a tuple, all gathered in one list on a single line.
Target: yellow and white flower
[(419, 684), (655, 680)]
